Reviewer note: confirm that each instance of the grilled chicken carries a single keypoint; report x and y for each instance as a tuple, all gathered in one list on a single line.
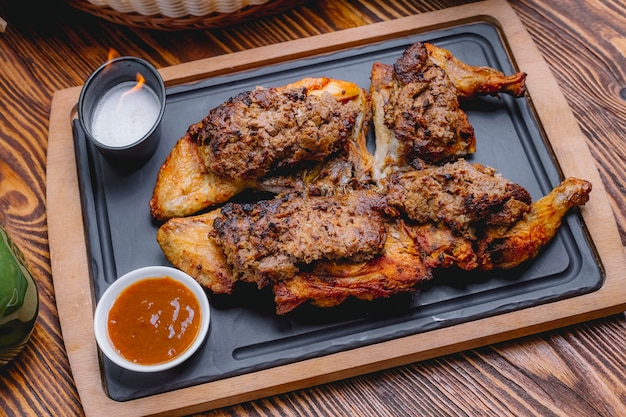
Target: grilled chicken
[(343, 171), (397, 269), (416, 115), (466, 197), (259, 133), (185, 186), (328, 235), (503, 247), (187, 243), (441, 248), (270, 240), (416, 110), (296, 244), (310, 134), (323, 270)]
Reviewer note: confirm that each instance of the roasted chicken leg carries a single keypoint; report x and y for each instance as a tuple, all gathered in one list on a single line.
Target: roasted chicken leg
[(507, 247)]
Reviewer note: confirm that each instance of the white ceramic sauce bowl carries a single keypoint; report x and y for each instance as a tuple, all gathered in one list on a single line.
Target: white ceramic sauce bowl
[(110, 295)]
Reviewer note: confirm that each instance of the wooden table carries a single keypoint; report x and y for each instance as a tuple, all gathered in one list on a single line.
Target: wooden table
[(575, 371)]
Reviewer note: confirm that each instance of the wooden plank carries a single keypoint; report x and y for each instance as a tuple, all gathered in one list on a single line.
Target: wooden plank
[(69, 253)]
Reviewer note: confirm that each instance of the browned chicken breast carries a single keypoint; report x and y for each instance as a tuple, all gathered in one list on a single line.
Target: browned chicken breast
[(259, 133)]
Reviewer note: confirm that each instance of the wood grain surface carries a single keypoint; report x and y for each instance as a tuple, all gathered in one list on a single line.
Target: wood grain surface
[(576, 371)]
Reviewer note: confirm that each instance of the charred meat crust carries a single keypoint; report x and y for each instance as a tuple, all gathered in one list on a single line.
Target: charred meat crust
[(399, 268), (466, 197), (271, 239), (271, 129), (423, 111)]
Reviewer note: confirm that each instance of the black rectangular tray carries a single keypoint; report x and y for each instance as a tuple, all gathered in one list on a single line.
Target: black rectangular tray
[(245, 333)]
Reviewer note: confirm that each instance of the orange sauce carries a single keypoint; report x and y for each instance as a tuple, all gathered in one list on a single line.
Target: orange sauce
[(154, 320)]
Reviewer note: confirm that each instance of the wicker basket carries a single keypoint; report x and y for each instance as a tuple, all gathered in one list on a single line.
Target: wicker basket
[(182, 14)]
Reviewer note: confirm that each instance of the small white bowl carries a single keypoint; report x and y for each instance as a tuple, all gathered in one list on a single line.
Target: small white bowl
[(111, 294)]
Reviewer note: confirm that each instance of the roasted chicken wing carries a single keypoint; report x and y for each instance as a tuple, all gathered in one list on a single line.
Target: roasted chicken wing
[(472, 81)]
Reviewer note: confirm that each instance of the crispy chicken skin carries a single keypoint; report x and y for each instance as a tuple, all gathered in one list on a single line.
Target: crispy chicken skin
[(472, 81), (416, 114), (187, 244), (441, 248), (259, 133), (184, 186)]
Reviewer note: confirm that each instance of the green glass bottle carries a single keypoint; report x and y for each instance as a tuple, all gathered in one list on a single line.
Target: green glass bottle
[(19, 300)]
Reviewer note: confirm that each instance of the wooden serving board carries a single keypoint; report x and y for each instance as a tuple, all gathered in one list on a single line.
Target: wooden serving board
[(69, 253)]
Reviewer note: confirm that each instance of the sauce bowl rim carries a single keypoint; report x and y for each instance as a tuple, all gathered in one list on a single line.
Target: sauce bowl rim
[(112, 292)]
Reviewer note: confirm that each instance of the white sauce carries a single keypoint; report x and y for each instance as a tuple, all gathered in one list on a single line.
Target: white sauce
[(122, 119)]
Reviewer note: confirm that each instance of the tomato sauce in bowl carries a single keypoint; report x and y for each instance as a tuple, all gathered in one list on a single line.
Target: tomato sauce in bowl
[(154, 320), (151, 319)]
